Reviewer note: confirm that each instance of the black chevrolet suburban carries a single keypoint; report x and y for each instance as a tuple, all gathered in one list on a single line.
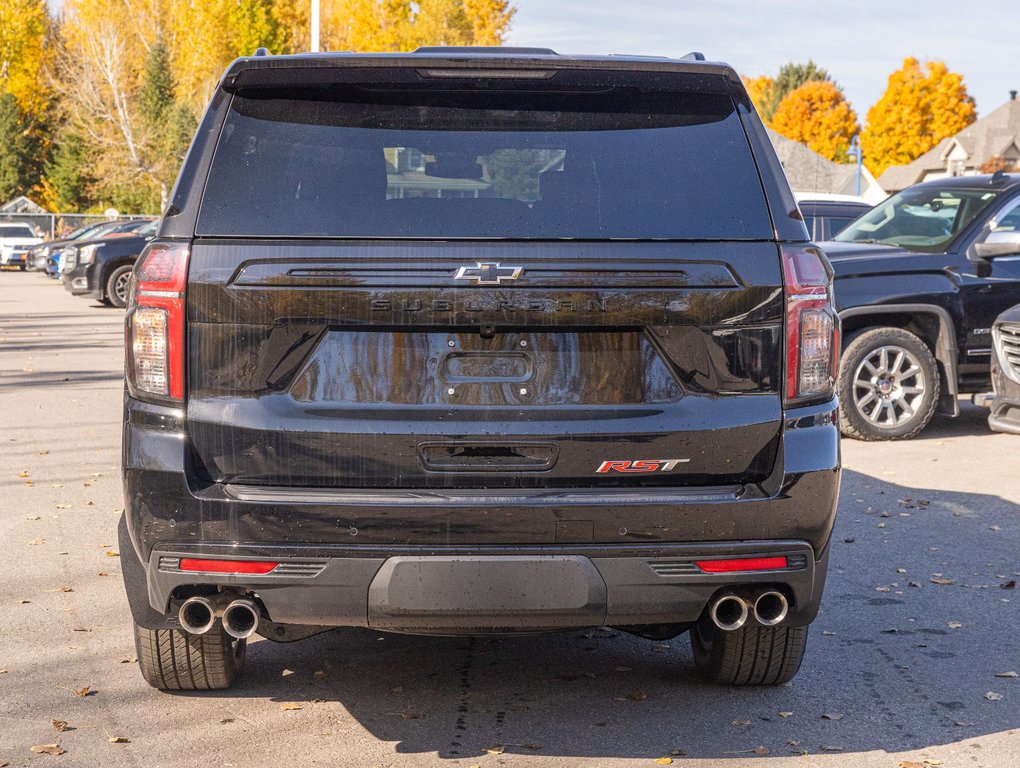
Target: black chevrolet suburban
[(469, 341)]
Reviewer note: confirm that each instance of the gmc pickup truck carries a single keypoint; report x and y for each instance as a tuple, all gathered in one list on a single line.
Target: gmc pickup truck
[(919, 282)]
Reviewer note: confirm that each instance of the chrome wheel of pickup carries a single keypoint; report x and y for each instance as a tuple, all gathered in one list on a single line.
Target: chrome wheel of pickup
[(888, 385)]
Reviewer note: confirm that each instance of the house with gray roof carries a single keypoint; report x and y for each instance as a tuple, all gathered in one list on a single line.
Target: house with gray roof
[(809, 172), (995, 137)]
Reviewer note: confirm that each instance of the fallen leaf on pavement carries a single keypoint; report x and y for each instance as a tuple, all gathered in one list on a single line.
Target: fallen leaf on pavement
[(36, 542), (499, 749), (993, 696), (48, 749), (939, 580), (908, 764), (113, 554), (832, 716), (290, 706), (786, 714), (740, 723), (83, 692), (60, 725), (1005, 674), (1011, 584), (120, 740), (830, 748), (129, 660), (637, 695), (664, 761), (954, 624)]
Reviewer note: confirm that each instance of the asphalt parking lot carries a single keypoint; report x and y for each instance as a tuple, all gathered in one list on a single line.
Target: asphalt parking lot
[(912, 661)]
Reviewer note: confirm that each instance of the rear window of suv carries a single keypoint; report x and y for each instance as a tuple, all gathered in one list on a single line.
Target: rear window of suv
[(630, 157)]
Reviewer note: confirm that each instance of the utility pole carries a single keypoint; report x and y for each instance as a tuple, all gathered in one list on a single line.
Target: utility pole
[(315, 26)]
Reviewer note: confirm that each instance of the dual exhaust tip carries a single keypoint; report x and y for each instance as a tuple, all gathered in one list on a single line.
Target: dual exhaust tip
[(240, 616), (730, 611)]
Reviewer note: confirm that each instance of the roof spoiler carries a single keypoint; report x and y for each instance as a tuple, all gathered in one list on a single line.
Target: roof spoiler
[(495, 50)]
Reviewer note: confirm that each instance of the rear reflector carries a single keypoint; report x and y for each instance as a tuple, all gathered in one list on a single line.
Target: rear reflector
[(226, 566), (734, 565)]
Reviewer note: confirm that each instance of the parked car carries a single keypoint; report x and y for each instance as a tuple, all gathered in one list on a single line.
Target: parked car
[(919, 281), (101, 269), (15, 240), (574, 390), (827, 215), (1005, 405), (56, 260), (38, 255)]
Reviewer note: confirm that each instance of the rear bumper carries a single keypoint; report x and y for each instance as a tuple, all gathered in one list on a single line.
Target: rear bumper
[(452, 562), (495, 589)]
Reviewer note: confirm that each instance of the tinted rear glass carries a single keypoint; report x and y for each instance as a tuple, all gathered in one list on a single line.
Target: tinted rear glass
[(636, 157)]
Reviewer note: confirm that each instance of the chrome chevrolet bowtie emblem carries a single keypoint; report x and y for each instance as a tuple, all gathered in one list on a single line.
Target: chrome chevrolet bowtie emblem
[(488, 273)]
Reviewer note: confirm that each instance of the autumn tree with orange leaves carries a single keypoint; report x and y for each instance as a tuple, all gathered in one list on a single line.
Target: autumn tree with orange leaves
[(921, 106), (818, 114)]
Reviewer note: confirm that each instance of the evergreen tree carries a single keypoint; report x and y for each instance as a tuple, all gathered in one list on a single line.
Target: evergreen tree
[(16, 153), (67, 175)]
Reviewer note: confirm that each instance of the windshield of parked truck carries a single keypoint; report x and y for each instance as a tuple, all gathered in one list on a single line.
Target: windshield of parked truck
[(922, 219)]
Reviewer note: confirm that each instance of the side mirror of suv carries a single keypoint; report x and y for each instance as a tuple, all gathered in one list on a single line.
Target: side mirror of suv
[(1003, 243)]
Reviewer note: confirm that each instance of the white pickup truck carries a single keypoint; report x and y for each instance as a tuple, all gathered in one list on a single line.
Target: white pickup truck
[(15, 240)]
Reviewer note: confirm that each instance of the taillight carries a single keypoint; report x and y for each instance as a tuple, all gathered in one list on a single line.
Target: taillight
[(812, 327), (154, 333)]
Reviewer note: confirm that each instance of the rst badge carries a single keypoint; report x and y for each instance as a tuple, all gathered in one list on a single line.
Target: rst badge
[(488, 273), (639, 465)]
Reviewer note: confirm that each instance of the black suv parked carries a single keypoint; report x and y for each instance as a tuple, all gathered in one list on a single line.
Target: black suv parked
[(919, 281), (101, 269), (473, 341)]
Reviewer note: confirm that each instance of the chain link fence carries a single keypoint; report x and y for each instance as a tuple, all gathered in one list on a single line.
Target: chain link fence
[(53, 226)]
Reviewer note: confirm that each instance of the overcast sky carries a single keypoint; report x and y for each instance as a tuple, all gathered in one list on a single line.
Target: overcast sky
[(860, 43)]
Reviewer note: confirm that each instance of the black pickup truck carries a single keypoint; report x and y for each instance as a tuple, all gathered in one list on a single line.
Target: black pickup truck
[(919, 282)]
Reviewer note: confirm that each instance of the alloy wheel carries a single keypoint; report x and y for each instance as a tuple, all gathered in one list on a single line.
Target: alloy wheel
[(889, 385)]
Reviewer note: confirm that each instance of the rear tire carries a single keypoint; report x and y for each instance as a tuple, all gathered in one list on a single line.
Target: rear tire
[(172, 660), (117, 286), (751, 655), (888, 386)]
